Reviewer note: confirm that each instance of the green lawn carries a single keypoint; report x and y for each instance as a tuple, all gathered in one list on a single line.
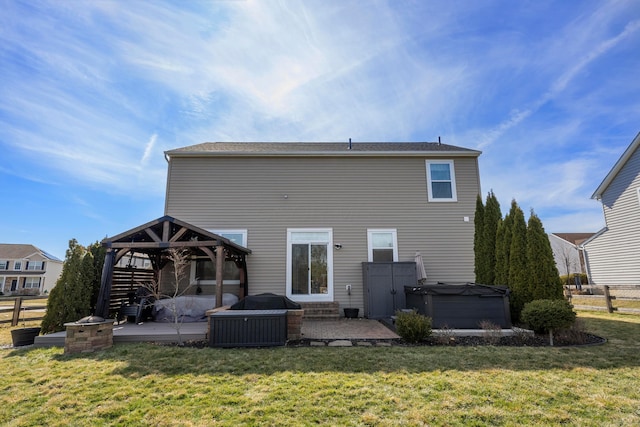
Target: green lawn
[(144, 384)]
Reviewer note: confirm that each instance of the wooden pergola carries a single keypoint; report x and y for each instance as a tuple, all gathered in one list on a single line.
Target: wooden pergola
[(155, 238)]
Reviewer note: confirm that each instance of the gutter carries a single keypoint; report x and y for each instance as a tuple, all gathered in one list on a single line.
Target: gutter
[(444, 154)]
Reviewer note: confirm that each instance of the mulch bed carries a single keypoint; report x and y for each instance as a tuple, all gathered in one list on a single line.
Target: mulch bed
[(518, 340), (581, 339), (573, 339)]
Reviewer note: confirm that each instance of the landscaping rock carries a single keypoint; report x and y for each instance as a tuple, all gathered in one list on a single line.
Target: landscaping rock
[(341, 343)]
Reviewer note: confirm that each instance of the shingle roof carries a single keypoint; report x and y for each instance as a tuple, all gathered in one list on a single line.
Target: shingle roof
[(320, 148), (20, 251), (575, 238)]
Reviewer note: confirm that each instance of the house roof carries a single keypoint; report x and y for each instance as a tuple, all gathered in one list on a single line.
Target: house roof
[(597, 195), (575, 238), (320, 149), (22, 251)]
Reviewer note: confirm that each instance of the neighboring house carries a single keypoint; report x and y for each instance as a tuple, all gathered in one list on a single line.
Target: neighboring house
[(312, 213), (567, 253), (612, 254), (27, 270)]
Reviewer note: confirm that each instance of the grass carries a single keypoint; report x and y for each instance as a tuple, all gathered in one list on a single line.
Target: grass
[(145, 384)]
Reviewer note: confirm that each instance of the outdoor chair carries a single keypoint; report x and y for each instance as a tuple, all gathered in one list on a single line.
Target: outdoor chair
[(133, 310)]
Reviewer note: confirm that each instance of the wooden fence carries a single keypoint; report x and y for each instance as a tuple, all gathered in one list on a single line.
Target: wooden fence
[(608, 295), (125, 283), (19, 308)]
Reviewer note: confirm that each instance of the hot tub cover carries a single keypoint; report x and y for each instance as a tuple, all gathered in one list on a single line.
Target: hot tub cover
[(458, 289), (266, 301)]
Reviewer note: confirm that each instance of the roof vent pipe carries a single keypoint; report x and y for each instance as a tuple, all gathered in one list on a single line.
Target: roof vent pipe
[(439, 141), (349, 143)]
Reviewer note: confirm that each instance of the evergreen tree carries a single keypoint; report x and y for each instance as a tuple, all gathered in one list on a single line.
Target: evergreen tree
[(478, 222), (503, 246), (544, 281), (98, 253), (492, 217), (70, 299), (518, 280)]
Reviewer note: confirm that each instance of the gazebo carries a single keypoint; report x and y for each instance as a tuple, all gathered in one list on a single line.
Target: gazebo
[(155, 239)]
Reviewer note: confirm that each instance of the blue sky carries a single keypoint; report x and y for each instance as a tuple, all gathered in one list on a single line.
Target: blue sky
[(93, 92)]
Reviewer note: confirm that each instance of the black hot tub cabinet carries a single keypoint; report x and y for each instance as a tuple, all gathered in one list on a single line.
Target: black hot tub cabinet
[(461, 306), (248, 328)]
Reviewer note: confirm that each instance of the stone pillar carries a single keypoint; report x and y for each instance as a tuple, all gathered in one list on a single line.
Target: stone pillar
[(88, 337), (294, 324)]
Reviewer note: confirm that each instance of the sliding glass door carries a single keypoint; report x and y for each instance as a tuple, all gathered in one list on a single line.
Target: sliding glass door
[(309, 265)]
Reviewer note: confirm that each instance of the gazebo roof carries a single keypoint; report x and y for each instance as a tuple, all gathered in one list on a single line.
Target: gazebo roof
[(168, 232), (156, 238)]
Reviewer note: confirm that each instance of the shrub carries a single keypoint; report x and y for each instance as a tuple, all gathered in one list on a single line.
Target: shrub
[(445, 335), (491, 333), (412, 326), (569, 279), (548, 315), (575, 334)]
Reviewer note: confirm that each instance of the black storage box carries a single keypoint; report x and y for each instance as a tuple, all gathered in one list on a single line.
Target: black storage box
[(248, 328)]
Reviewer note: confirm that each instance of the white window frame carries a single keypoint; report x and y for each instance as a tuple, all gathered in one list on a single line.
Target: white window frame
[(328, 297), (6, 264), (17, 265), (222, 232), (370, 248), (31, 265), (638, 193), (219, 232), (452, 181), (30, 285), (2, 280)]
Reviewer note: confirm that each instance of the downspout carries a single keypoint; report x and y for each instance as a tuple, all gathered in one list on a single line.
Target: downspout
[(585, 255)]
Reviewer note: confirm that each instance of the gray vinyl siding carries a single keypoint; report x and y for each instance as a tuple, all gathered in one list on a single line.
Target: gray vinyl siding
[(348, 195), (614, 255)]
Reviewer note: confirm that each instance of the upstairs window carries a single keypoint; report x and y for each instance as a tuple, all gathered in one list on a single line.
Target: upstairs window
[(441, 181), (4, 265), (17, 265)]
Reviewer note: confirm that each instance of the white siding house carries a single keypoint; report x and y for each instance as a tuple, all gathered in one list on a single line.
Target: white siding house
[(613, 253), (27, 270), (567, 252)]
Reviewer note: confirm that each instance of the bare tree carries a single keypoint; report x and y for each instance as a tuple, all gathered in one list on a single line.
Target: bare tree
[(169, 291), (566, 256)]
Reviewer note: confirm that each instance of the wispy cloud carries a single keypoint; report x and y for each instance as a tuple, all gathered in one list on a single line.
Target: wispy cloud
[(92, 93), (579, 64), (148, 149)]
